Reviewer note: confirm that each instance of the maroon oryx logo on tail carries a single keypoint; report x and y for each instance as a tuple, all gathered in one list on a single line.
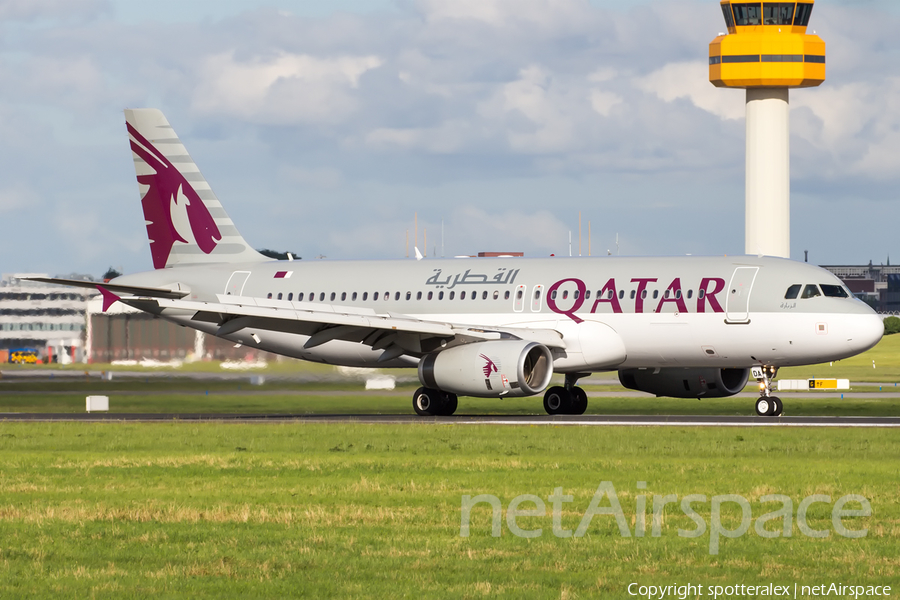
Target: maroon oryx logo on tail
[(170, 191), (489, 367)]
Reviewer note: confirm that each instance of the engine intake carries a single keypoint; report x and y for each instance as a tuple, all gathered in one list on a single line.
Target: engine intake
[(489, 369), (679, 382)]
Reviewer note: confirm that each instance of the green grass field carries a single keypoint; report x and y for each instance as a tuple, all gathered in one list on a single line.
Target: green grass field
[(353, 511), (224, 510)]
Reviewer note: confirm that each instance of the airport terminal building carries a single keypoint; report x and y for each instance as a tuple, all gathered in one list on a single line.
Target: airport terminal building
[(47, 318)]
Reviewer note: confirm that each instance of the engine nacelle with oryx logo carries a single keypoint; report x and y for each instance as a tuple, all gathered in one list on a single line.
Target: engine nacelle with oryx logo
[(677, 382), (502, 368)]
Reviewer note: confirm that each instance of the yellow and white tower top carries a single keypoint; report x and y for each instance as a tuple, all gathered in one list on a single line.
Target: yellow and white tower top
[(767, 51)]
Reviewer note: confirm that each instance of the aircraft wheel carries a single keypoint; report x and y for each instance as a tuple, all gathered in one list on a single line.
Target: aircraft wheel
[(763, 406), (450, 403), (579, 401), (427, 402), (557, 401), (779, 406)]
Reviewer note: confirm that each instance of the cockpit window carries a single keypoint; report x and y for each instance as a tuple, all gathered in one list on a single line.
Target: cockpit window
[(793, 292), (834, 291), (811, 291)]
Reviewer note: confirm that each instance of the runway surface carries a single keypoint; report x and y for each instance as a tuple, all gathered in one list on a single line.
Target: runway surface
[(520, 420)]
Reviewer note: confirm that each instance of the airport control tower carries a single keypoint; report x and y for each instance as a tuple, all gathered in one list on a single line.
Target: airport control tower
[(767, 51)]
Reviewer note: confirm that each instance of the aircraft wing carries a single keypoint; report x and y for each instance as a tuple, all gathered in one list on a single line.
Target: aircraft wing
[(396, 334), (115, 288)]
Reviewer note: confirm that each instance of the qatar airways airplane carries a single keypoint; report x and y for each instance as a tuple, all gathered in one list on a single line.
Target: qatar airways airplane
[(686, 327)]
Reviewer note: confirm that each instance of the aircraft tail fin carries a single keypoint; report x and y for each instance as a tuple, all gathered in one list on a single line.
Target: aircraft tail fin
[(186, 223)]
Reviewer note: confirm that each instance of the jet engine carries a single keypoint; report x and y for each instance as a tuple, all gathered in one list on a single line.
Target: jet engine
[(489, 369), (679, 382)]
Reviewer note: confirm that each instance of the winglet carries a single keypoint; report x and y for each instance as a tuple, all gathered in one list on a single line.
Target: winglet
[(108, 297), (418, 254)]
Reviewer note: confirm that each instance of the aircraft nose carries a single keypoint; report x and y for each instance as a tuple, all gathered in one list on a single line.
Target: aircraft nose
[(867, 331)]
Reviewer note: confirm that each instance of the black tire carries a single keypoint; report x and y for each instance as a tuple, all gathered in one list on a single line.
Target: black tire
[(557, 401), (427, 402), (764, 405), (779, 407), (450, 404), (579, 401)]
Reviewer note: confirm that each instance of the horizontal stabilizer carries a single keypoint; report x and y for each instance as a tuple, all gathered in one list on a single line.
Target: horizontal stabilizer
[(131, 290)]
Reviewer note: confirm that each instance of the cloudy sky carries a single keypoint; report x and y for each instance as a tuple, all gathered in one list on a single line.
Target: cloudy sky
[(325, 126)]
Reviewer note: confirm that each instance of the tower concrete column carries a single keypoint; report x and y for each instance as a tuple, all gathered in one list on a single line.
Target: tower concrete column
[(768, 177)]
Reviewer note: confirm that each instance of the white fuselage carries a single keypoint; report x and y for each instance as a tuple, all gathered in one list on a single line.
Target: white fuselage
[(612, 313)]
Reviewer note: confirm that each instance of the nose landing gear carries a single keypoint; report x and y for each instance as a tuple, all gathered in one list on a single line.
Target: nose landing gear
[(767, 405)]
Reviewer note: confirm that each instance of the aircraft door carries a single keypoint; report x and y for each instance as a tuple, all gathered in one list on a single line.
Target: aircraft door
[(235, 285), (537, 298), (737, 304), (519, 303)]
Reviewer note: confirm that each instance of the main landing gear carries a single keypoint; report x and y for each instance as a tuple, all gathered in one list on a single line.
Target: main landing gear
[(429, 402), (767, 405), (566, 400)]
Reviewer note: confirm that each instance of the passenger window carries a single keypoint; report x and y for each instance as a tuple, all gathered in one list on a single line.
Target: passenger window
[(408, 295), (353, 297), (279, 295), (387, 296), (375, 296), (565, 294), (701, 294), (678, 294), (655, 294), (552, 295), (440, 295), (537, 294), (518, 295), (792, 292), (834, 291), (484, 295), (332, 296), (300, 297), (452, 295), (506, 295), (644, 295), (621, 294), (587, 294), (666, 295), (418, 295), (810, 291), (365, 296), (269, 297), (462, 295), (291, 296), (690, 294), (321, 296), (496, 294), (430, 295), (633, 293), (343, 296)]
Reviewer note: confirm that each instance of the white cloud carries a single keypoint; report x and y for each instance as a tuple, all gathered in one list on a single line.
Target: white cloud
[(691, 80), (284, 89), (17, 197)]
